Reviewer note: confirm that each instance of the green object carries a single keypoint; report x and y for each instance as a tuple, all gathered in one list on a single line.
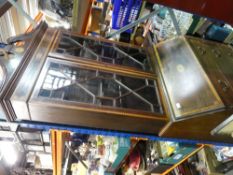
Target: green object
[(75, 21), (180, 154), (162, 13), (123, 149), (194, 24)]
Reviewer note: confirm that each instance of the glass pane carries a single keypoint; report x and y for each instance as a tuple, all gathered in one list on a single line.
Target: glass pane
[(71, 83), (34, 148), (2, 76), (188, 87), (104, 52), (31, 138)]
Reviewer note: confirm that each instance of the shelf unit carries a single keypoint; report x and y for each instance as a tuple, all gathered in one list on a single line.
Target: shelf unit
[(59, 134), (59, 137)]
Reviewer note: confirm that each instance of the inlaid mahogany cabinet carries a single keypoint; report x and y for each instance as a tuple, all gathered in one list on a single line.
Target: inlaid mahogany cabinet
[(178, 88)]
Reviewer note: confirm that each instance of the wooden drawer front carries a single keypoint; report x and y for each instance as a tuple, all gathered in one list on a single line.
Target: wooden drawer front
[(217, 61), (223, 57)]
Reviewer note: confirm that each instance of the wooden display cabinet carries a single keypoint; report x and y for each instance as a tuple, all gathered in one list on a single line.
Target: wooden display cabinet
[(84, 81), (197, 80), (91, 82)]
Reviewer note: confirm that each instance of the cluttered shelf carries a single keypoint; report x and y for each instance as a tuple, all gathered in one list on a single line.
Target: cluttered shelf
[(109, 155), (66, 152), (99, 154)]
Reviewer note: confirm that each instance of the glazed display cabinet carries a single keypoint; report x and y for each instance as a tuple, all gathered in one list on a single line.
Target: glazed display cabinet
[(171, 89)]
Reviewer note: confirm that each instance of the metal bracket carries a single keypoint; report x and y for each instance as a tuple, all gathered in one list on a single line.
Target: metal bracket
[(129, 26), (174, 20)]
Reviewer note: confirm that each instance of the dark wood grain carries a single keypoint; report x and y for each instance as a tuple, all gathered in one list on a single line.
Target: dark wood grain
[(180, 64), (217, 61), (199, 128), (53, 113)]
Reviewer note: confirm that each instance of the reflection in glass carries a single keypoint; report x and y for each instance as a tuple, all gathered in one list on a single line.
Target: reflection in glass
[(2, 76), (189, 89), (69, 83), (104, 52)]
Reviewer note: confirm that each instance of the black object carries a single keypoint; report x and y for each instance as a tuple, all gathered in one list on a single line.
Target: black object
[(124, 37), (225, 167)]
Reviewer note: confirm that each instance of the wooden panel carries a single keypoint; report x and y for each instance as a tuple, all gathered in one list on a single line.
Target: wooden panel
[(71, 115), (217, 61), (198, 128), (26, 82), (20, 59), (207, 56), (73, 33), (105, 66)]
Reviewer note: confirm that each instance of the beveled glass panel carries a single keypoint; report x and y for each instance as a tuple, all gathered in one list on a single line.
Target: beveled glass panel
[(95, 49), (189, 89), (66, 82)]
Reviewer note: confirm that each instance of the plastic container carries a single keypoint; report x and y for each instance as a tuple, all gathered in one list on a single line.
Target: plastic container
[(125, 12), (217, 33)]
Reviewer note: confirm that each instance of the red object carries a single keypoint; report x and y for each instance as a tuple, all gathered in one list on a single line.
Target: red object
[(221, 10), (134, 160)]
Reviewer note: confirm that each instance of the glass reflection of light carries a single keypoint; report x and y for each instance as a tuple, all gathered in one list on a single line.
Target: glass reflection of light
[(1, 76), (14, 62), (191, 84), (8, 152)]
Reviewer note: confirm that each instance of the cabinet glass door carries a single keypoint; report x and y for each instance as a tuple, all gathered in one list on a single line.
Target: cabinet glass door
[(188, 87), (65, 81), (103, 51)]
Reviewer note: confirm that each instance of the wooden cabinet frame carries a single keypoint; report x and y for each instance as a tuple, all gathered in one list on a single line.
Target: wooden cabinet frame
[(27, 106), (153, 113)]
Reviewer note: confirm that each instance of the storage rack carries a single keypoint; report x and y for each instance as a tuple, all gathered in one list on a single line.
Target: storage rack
[(59, 134)]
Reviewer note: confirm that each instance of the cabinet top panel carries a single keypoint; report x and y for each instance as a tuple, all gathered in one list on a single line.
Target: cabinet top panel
[(188, 88)]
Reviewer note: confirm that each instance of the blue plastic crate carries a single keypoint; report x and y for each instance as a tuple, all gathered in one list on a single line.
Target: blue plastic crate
[(2, 45), (217, 33), (125, 12)]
